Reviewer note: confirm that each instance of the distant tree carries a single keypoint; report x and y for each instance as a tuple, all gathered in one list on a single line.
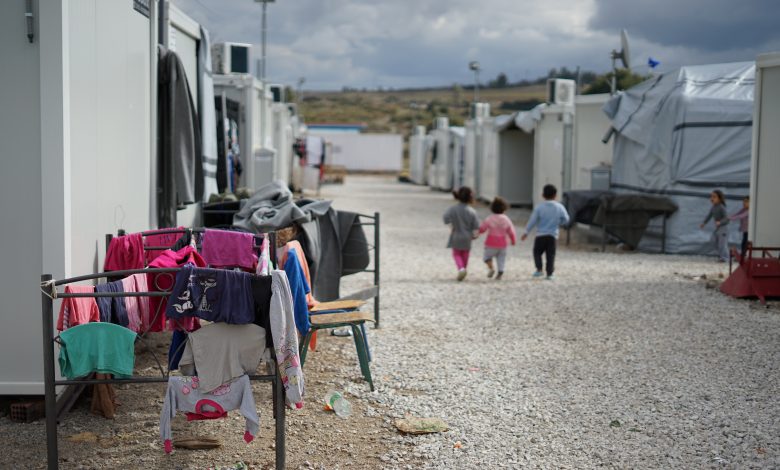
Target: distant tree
[(501, 81), (289, 94), (603, 83)]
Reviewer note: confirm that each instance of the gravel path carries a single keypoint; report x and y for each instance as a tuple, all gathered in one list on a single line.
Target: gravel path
[(623, 361)]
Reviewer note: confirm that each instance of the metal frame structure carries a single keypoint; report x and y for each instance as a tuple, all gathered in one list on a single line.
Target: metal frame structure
[(49, 293)]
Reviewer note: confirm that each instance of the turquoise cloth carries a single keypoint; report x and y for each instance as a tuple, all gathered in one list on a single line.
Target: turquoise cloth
[(97, 347)]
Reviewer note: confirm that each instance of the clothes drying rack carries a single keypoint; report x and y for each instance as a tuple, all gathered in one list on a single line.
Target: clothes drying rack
[(50, 293), (366, 220)]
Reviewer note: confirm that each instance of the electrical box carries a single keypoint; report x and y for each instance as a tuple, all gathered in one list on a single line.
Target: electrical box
[(561, 91), (230, 57)]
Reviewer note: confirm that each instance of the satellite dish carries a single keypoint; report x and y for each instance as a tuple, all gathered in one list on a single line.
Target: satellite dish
[(474, 65), (623, 54)]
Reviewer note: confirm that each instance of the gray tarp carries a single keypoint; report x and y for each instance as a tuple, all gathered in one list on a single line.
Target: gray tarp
[(682, 134)]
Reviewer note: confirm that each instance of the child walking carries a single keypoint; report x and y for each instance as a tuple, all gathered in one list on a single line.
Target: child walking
[(718, 215), (742, 216), (463, 219), (499, 229), (546, 217)]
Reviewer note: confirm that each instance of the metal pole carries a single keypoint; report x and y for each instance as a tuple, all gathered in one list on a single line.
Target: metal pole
[(476, 86), (262, 45), (279, 415), (613, 87), (376, 269), (52, 455)]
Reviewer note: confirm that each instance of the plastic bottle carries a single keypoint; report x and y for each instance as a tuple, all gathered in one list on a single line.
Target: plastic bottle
[(338, 403)]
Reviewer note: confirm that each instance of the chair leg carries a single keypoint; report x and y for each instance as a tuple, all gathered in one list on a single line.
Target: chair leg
[(362, 356), (365, 341), (304, 347)]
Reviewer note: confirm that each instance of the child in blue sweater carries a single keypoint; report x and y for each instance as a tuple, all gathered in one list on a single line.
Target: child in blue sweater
[(546, 217)]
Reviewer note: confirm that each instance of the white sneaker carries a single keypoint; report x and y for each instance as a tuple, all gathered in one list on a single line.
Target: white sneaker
[(461, 274), (491, 272)]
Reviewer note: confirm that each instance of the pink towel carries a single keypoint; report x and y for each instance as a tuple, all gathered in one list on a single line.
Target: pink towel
[(223, 249), (165, 239), (137, 307), (77, 310), (125, 252)]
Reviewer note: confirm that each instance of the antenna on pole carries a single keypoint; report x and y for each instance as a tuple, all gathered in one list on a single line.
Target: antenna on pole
[(624, 57)]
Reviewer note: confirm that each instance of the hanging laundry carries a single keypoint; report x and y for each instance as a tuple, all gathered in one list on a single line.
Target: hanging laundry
[(180, 164), (97, 347), (176, 349), (164, 282), (261, 296), (185, 394), (125, 252), (227, 249), (77, 310), (212, 294), (286, 339), (296, 248), (174, 241), (137, 307), (299, 288), (221, 352), (112, 309), (264, 264)]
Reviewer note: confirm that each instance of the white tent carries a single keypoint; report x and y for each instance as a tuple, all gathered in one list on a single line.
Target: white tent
[(683, 134)]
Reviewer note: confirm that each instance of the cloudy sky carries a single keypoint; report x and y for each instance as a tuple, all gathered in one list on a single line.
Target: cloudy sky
[(410, 43)]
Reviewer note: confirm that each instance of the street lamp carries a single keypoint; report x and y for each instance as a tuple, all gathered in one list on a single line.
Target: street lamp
[(474, 66), (262, 71)]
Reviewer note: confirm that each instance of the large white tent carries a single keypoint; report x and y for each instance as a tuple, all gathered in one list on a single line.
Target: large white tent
[(683, 134)]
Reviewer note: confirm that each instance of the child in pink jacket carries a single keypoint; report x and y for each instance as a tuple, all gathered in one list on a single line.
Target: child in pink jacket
[(499, 230)]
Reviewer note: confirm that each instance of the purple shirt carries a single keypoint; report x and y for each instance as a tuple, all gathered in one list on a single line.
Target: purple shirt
[(742, 216), (226, 249)]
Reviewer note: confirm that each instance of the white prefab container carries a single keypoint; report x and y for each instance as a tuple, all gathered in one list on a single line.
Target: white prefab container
[(417, 155), (283, 138), (77, 139), (590, 126), (764, 229), (442, 164), (457, 150), (507, 162), (552, 150), (246, 92), (365, 152), (473, 153)]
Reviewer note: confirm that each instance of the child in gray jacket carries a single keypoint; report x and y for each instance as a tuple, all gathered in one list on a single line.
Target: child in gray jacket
[(718, 215), (465, 224)]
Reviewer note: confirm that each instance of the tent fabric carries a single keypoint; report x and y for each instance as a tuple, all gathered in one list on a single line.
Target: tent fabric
[(627, 216), (683, 134)]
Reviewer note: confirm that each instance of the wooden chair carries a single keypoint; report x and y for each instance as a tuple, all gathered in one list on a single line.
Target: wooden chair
[(325, 316)]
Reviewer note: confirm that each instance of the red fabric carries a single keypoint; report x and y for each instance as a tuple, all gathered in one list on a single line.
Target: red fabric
[(165, 239), (77, 310), (248, 437), (168, 446), (125, 252), (201, 414), (164, 282)]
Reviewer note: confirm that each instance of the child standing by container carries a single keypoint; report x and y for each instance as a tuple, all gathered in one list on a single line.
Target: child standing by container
[(546, 217), (742, 216), (718, 215), (465, 223), (499, 229)]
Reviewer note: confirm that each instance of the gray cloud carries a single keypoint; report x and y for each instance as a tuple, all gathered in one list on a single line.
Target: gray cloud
[(405, 43), (710, 25)]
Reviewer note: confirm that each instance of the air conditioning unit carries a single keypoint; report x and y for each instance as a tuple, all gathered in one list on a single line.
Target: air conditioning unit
[(561, 91), (480, 110), (230, 57), (441, 122), (278, 93)]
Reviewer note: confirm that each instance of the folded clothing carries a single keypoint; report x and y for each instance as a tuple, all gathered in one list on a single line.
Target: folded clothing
[(212, 294), (77, 310), (224, 248), (97, 347)]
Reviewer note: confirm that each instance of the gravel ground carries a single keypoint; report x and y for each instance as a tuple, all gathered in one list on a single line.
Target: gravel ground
[(625, 360)]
